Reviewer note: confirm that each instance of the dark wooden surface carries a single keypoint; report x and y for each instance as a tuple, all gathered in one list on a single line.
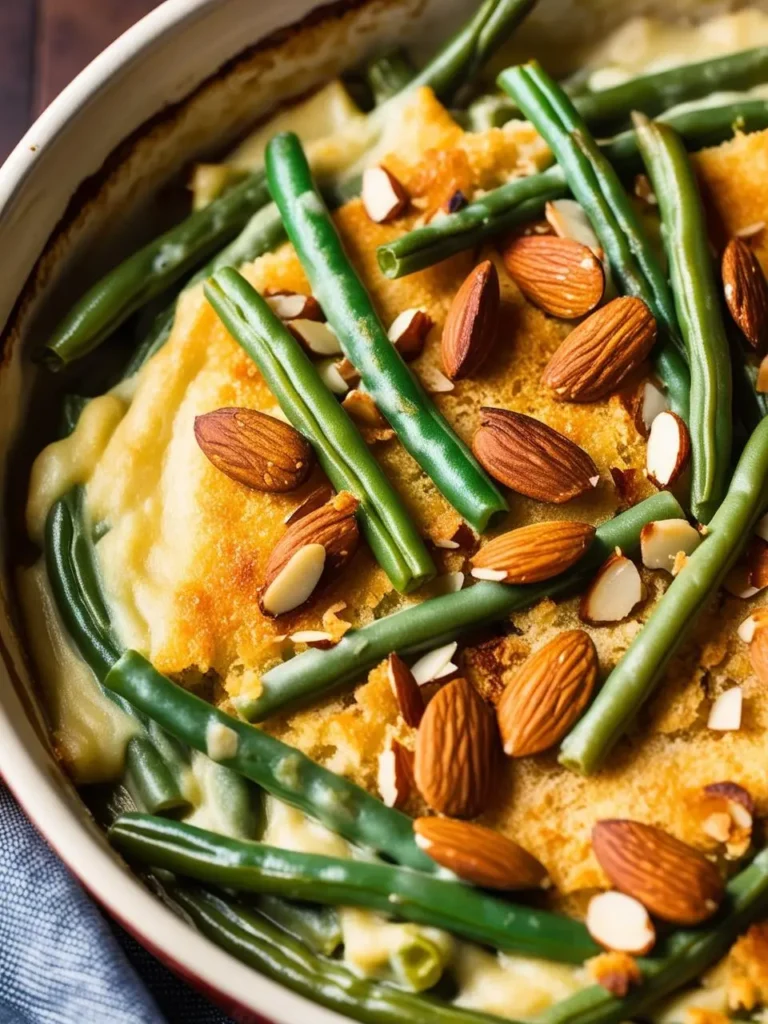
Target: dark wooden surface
[(43, 45)]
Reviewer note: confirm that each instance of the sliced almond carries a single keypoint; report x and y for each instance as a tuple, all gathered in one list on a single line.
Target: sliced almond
[(651, 402), (291, 575), (318, 338), (598, 354), (255, 449), (409, 331), (430, 665), (559, 275), (406, 690), (472, 323), (434, 381), (478, 855), (547, 694), (395, 775), (626, 483), (331, 374), (534, 553), (613, 594), (320, 496), (383, 196), (620, 923), (532, 458), (750, 230), (673, 881), (294, 581), (567, 219), (456, 748), (740, 802), (661, 542), (294, 306), (725, 713), (746, 291), (312, 638), (669, 449), (757, 563), (362, 409)]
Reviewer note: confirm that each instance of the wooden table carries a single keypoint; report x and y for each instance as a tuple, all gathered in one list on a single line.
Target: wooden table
[(43, 45)]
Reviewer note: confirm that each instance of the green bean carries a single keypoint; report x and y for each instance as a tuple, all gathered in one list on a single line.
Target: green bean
[(697, 302), (463, 56), (293, 379), (252, 939), (153, 269), (263, 232), (637, 674), (410, 895), (523, 199), (682, 957), (232, 803), (431, 623), (389, 74), (279, 769), (418, 962), (608, 109), (76, 591), (348, 306), (317, 927)]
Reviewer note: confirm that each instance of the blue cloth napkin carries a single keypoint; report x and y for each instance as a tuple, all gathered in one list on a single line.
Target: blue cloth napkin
[(61, 961)]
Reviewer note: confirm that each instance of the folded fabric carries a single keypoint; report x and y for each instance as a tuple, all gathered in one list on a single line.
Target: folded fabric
[(60, 960)]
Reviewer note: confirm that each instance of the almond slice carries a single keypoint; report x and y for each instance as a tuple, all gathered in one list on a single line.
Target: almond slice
[(383, 196), (395, 775), (746, 291), (651, 402), (319, 339), (406, 690), (434, 381), (294, 582), (291, 573), (478, 855), (362, 409), (472, 322), (567, 219), (534, 553), (669, 448), (408, 332), (332, 377), (725, 713), (456, 748), (294, 306), (430, 665), (598, 354), (547, 694), (613, 594), (312, 638), (673, 881), (559, 275), (661, 542), (737, 584), (532, 458), (620, 923), (254, 449), (617, 973)]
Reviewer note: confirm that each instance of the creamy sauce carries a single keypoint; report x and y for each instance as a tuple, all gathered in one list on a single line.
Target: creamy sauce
[(89, 730), (71, 461)]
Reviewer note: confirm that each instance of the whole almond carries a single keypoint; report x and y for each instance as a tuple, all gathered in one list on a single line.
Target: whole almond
[(532, 458), (456, 748), (406, 690), (472, 322), (255, 449), (332, 526), (746, 292), (534, 553), (547, 694), (672, 880), (478, 855), (559, 275), (320, 496), (598, 354)]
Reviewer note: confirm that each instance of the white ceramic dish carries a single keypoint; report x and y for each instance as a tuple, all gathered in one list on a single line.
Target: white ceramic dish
[(53, 244)]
